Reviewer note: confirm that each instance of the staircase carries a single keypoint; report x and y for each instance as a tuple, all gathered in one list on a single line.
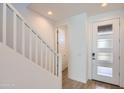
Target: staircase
[(26, 60)]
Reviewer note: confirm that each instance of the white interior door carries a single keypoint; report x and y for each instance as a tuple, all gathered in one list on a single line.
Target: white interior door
[(105, 57)]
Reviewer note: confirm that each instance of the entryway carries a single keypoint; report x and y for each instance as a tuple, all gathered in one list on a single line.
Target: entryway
[(91, 84), (105, 56)]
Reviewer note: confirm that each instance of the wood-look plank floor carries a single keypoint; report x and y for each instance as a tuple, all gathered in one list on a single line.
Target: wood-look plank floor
[(91, 84)]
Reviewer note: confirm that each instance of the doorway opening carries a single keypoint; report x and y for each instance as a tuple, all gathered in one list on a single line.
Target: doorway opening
[(62, 45), (63, 48)]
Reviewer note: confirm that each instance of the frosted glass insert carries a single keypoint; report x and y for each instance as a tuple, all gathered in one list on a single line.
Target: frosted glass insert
[(104, 56), (104, 43), (104, 71), (105, 39), (108, 36), (1, 18), (9, 27)]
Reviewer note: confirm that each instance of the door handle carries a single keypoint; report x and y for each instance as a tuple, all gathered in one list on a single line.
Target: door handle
[(93, 56)]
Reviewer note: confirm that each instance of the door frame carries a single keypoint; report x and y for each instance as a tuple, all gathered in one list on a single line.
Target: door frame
[(67, 43), (91, 20)]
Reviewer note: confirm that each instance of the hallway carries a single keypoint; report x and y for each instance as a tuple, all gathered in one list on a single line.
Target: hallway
[(35, 46), (91, 84)]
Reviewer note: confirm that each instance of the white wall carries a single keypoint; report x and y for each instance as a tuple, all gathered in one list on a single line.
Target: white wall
[(77, 68), (78, 48), (43, 26), (105, 16), (18, 72)]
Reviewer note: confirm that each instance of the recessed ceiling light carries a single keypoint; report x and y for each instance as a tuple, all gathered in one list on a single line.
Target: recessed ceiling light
[(50, 12), (104, 4)]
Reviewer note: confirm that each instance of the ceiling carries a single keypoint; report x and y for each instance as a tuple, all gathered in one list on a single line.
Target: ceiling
[(64, 10)]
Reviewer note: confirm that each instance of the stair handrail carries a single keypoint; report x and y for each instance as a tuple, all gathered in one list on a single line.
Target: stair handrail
[(32, 29)]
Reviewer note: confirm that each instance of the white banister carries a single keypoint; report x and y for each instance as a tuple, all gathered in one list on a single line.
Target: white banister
[(50, 59), (36, 51), (4, 23), (33, 47), (60, 69), (53, 65), (23, 39), (41, 58), (14, 30), (31, 43), (30, 53), (1, 23), (46, 57), (56, 66), (39, 52)]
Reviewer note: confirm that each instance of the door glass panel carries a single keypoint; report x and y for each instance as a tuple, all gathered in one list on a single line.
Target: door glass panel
[(104, 36), (104, 43), (106, 29), (104, 71), (104, 56)]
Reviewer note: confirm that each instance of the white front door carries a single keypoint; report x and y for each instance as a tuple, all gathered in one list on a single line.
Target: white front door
[(105, 56)]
